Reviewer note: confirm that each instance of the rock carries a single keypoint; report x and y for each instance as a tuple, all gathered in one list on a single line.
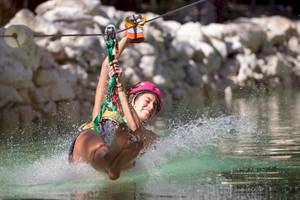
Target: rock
[(47, 77), (85, 6), (190, 32), (228, 95), (219, 31), (13, 73), (28, 115), (33, 57), (24, 93), (59, 91), (145, 49), (65, 13), (294, 45), (44, 7), (92, 52), (229, 69), (57, 50), (49, 109), (73, 72), (252, 37), (153, 35), (220, 46), (147, 65), (131, 75), (173, 70), (212, 60), (184, 48), (276, 66), (36, 96), (68, 76), (47, 61), (130, 58), (247, 65), (170, 27), (278, 28), (84, 50), (28, 55), (35, 23), (296, 69), (101, 20), (233, 44), (297, 25), (214, 30), (9, 95), (9, 118), (193, 76), (108, 11)]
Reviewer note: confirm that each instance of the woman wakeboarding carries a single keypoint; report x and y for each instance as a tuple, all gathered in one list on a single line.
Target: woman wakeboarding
[(116, 136)]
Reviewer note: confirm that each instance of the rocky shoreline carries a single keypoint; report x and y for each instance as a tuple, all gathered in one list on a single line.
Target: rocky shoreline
[(58, 75)]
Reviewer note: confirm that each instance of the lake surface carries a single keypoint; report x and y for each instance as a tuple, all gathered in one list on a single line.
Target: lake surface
[(248, 148)]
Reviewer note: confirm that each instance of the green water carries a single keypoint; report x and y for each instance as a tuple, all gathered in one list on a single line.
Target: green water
[(248, 148)]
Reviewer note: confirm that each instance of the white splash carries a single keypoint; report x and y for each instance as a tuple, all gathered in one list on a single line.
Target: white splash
[(190, 137)]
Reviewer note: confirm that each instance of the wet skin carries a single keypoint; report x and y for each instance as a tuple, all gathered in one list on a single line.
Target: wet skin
[(91, 148)]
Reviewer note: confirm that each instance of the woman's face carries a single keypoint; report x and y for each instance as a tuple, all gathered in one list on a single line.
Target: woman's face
[(145, 106)]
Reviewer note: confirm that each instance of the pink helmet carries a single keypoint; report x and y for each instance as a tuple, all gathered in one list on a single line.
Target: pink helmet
[(146, 86)]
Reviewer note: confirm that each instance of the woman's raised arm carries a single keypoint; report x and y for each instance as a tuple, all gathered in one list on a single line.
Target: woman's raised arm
[(102, 83)]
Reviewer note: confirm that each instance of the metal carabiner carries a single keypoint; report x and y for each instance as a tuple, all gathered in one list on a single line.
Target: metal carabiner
[(110, 32)]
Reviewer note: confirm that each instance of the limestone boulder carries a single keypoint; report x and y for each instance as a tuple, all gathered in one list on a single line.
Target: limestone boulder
[(27, 115), (184, 49), (73, 72), (294, 45), (276, 66), (252, 37), (47, 77), (279, 29), (220, 46), (147, 65), (48, 109), (233, 45), (219, 31), (35, 23), (64, 13), (190, 32), (211, 60), (145, 49), (9, 95), (247, 65), (9, 118), (193, 74), (130, 58), (59, 91), (15, 74)]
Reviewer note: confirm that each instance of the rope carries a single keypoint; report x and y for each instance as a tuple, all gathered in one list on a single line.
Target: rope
[(111, 43)]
